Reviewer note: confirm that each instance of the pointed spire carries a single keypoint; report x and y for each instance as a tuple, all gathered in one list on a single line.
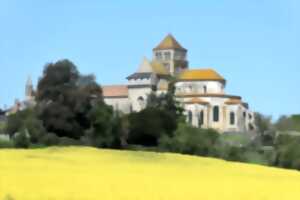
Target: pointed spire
[(29, 89), (145, 66), (169, 42), (29, 81)]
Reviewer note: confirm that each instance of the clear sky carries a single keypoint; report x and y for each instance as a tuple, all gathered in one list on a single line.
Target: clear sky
[(254, 44)]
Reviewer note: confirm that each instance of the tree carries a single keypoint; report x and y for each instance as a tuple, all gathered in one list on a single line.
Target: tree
[(167, 102), (104, 129), (21, 140), (190, 140), (288, 151), (262, 122), (65, 97), (26, 121), (288, 123), (148, 125)]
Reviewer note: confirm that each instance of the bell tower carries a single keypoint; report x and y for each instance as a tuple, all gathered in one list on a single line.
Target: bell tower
[(171, 54)]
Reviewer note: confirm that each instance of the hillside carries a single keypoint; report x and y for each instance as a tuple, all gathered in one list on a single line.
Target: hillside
[(86, 173)]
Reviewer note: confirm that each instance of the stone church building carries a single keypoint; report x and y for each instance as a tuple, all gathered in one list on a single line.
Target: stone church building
[(201, 92)]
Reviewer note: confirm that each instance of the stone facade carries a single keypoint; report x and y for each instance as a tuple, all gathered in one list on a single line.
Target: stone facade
[(201, 92)]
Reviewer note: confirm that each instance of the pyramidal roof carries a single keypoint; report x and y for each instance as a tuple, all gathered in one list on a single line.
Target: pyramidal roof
[(169, 42), (145, 66), (151, 67)]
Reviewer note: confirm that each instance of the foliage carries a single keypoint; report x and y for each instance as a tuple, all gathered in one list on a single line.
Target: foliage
[(2, 127), (167, 103), (262, 122), (288, 123), (103, 131), (50, 139), (148, 125), (190, 140), (26, 120), (6, 143), (65, 97), (21, 140), (288, 151), (65, 141), (159, 118)]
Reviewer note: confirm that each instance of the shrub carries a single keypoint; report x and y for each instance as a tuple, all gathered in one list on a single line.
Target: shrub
[(6, 144), (190, 140), (102, 132), (148, 125), (27, 121), (288, 151), (50, 139), (65, 141), (21, 140)]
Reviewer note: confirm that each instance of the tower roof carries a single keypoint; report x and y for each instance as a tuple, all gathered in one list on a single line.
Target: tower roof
[(169, 42), (147, 68)]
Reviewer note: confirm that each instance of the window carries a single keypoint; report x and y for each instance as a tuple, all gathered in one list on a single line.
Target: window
[(141, 102), (244, 114), (250, 116), (190, 117), (216, 113), (200, 119), (158, 55), (251, 127), (205, 89), (232, 118), (167, 56)]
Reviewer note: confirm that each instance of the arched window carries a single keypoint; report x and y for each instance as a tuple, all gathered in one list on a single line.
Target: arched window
[(200, 119), (216, 113), (141, 102), (232, 118), (190, 117), (204, 89)]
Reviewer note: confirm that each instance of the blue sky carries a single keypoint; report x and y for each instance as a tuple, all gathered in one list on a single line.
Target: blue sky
[(254, 44)]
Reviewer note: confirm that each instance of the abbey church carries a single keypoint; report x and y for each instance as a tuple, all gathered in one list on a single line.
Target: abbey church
[(201, 92)]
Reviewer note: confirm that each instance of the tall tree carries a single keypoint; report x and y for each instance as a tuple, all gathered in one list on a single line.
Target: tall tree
[(65, 97)]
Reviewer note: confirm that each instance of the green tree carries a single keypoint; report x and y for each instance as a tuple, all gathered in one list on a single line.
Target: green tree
[(190, 140), (28, 121), (21, 140), (263, 123), (288, 123), (65, 98), (105, 128), (148, 125)]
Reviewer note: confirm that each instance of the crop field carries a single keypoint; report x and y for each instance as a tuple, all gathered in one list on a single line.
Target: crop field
[(74, 173)]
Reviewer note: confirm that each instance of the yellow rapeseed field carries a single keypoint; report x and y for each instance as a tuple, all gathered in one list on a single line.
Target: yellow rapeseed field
[(94, 174)]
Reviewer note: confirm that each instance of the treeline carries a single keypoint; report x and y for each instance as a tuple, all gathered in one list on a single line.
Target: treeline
[(70, 110)]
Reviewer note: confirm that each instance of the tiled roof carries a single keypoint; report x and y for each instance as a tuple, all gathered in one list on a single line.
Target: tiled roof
[(196, 100), (221, 95), (169, 42), (233, 101), (115, 90), (201, 74)]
